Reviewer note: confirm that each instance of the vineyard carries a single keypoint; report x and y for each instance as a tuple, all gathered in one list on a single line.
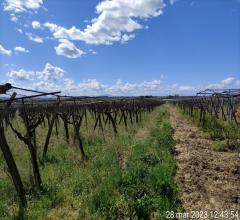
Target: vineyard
[(220, 104), (218, 112), (100, 157), (71, 115)]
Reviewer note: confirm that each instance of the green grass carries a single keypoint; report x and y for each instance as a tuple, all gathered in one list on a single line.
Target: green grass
[(148, 181), (225, 134), (128, 176)]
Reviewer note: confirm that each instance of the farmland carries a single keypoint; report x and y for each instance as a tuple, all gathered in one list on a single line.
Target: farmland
[(117, 157), (119, 110)]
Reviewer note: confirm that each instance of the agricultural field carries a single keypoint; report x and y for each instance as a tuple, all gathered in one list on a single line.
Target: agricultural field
[(119, 158), (119, 110), (128, 174)]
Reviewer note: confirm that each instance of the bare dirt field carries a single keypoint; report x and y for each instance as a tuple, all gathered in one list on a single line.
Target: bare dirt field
[(208, 180)]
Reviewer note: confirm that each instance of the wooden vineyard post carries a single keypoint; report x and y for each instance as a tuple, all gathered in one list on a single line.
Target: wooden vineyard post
[(112, 121), (50, 129), (48, 136), (65, 120), (77, 124), (7, 154), (12, 167)]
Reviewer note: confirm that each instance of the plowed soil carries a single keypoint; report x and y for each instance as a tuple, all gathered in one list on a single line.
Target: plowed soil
[(208, 180)]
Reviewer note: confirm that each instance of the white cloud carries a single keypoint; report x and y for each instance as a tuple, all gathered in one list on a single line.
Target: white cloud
[(94, 87), (51, 26), (92, 51), (121, 87), (186, 88), (20, 30), (223, 84), (18, 6), (4, 51), (21, 74), (45, 86), (13, 17), (91, 84), (21, 49), (181, 89), (51, 72), (36, 25), (150, 86), (69, 84), (52, 78), (126, 38), (68, 49), (145, 87), (228, 81), (34, 38), (116, 20)]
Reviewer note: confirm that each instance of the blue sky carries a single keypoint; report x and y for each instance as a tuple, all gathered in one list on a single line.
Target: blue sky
[(120, 47)]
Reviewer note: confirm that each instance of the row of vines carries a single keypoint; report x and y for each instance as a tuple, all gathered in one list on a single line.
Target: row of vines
[(69, 111), (218, 104)]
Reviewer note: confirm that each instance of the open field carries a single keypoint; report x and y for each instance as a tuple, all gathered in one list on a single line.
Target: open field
[(130, 174), (120, 110), (118, 158)]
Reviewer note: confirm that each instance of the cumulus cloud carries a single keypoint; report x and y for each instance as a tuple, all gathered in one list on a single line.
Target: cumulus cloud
[(21, 49), (121, 87), (91, 84), (223, 84), (51, 26), (145, 87), (51, 72), (53, 78), (13, 17), (34, 38), (68, 49), (36, 25), (228, 81), (21, 74), (18, 6), (152, 85), (182, 88), (116, 21), (45, 86), (4, 51), (126, 37), (70, 84), (94, 87)]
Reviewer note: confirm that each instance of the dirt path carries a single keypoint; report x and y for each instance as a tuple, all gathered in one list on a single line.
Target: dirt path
[(208, 180)]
